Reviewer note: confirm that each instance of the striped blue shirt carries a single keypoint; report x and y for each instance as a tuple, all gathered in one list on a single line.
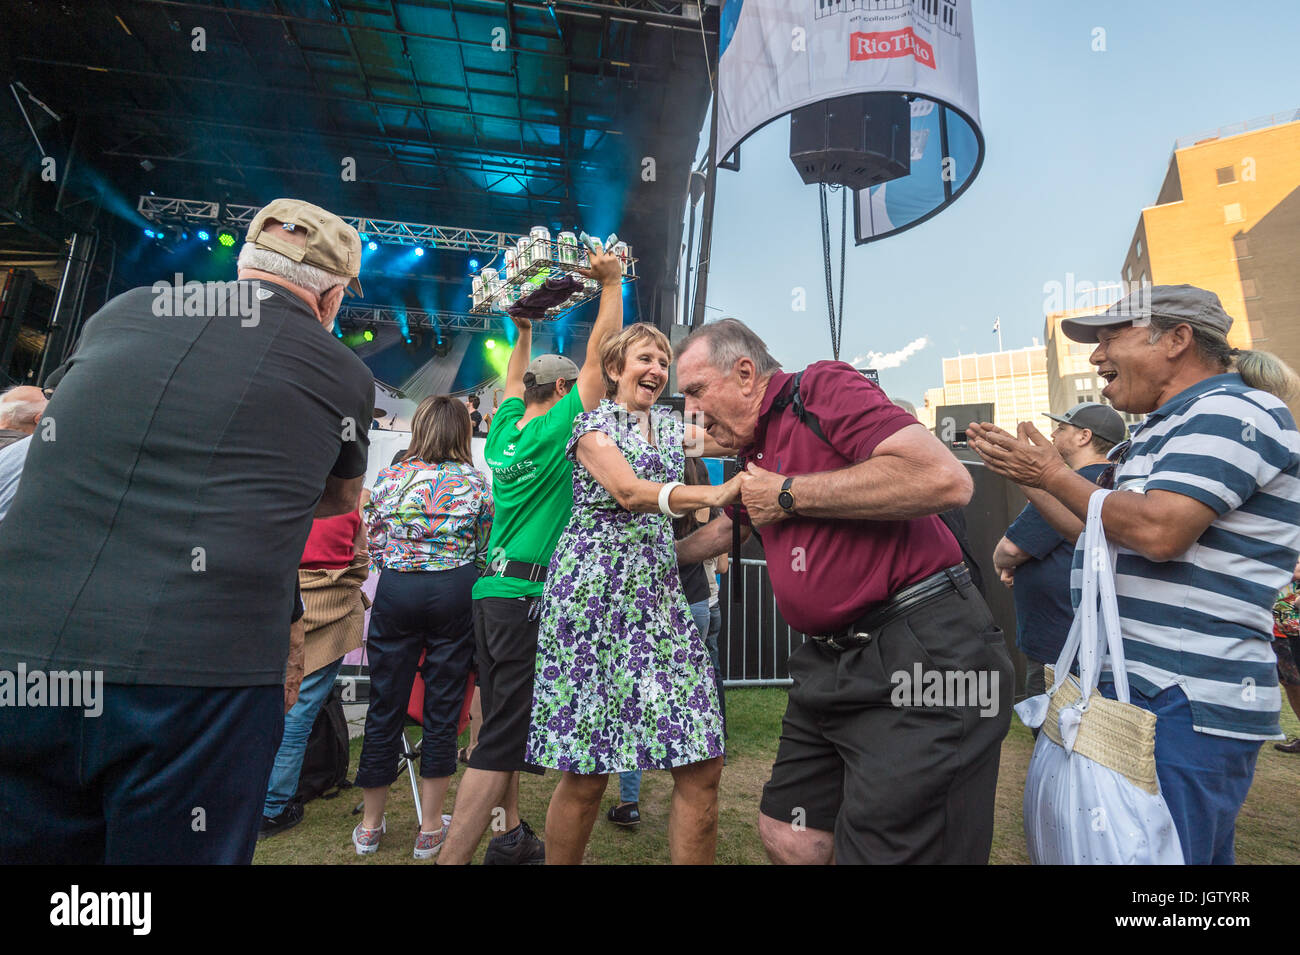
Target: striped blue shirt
[(1203, 621)]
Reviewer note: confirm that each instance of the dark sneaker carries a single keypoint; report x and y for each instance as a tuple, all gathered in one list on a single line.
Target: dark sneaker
[(1290, 746), (272, 826), (625, 815), (519, 846)]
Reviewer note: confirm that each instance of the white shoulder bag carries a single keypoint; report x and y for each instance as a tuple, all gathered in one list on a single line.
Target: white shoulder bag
[(1091, 795)]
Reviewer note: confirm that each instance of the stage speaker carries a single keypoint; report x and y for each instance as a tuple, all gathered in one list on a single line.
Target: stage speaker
[(950, 422), (858, 140)]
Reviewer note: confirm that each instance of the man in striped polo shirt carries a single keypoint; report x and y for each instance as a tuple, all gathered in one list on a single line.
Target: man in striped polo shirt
[(1206, 522)]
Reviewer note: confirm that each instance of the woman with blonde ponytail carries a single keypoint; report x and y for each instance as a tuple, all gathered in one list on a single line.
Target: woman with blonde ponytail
[(1267, 372)]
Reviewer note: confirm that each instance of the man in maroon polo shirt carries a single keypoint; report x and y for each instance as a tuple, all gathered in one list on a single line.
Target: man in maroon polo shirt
[(890, 744)]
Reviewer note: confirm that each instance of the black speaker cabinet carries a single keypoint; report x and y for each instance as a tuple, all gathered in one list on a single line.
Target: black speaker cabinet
[(858, 140)]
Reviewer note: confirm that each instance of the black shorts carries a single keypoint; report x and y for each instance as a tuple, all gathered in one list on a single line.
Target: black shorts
[(898, 775), (505, 646)]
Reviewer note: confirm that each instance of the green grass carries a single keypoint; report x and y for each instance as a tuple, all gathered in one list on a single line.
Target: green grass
[(1266, 832)]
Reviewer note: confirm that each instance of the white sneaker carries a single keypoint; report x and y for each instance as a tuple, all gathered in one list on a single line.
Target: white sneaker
[(366, 841)]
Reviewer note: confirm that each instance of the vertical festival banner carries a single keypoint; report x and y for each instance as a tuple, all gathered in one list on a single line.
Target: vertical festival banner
[(779, 55)]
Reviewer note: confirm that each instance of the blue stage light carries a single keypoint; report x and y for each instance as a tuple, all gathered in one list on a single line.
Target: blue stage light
[(149, 234), (473, 264), (365, 237), (372, 246), (419, 251), (203, 235)]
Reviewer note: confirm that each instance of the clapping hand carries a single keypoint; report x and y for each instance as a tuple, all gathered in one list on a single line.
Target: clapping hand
[(1027, 458)]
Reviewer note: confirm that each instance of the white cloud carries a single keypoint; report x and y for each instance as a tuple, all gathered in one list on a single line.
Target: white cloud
[(880, 360)]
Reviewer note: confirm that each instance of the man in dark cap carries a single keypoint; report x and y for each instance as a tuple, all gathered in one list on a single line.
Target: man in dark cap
[(1035, 553), (154, 542), (1206, 521)]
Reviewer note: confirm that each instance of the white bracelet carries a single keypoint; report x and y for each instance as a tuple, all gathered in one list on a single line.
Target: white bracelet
[(664, 491)]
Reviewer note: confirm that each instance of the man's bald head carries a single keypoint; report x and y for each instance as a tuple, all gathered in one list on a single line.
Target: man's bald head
[(21, 408)]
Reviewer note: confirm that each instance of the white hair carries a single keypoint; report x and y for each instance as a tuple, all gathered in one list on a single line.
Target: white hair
[(730, 340), (300, 274), (17, 413)]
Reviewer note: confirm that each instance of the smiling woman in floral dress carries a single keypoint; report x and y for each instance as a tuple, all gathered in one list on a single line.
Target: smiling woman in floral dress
[(623, 678)]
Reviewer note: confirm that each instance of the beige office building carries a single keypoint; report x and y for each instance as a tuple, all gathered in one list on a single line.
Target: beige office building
[(1015, 381), (1227, 219)]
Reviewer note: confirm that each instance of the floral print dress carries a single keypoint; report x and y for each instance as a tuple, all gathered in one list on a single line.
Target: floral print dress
[(623, 679)]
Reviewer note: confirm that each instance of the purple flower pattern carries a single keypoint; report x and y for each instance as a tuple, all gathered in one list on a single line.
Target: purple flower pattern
[(623, 680)]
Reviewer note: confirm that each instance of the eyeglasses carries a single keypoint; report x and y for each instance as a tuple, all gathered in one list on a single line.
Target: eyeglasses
[(1106, 480)]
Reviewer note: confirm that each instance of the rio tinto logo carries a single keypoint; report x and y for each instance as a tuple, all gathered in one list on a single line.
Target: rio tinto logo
[(881, 46)]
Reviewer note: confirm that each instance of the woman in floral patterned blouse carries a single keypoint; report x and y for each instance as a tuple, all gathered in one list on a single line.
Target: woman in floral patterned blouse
[(1286, 636), (623, 679), (429, 517)]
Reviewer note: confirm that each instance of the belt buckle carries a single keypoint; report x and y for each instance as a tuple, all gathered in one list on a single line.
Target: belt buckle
[(501, 568)]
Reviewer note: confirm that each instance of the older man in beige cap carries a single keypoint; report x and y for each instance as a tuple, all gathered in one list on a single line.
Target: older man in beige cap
[(153, 547)]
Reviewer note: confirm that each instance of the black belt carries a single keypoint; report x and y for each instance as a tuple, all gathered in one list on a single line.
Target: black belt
[(534, 573), (902, 603)]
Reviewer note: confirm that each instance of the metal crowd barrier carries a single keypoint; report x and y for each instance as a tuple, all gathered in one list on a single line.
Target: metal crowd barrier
[(756, 642)]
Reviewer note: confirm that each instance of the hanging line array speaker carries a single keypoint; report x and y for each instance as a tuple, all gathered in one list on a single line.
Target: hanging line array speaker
[(857, 141)]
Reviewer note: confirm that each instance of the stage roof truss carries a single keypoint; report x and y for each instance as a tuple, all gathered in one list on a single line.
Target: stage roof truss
[(416, 318)]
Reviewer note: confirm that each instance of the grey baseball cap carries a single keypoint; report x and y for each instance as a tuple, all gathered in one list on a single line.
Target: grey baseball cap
[(1183, 303), (545, 369), (1102, 420)]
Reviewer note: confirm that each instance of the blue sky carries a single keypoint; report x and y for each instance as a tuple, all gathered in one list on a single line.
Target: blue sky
[(1077, 143)]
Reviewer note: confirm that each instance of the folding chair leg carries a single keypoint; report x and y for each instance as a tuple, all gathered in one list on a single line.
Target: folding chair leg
[(409, 756)]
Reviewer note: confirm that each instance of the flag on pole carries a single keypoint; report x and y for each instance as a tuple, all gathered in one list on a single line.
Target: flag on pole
[(997, 324)]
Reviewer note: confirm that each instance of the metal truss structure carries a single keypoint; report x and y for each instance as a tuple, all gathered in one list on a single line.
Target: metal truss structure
[(162, 210), (415, 318)]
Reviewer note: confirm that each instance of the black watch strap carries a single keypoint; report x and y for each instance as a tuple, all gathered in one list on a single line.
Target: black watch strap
[(785, 498)]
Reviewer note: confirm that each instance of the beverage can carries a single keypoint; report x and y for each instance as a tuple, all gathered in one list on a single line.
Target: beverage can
[(568, 248), (541, 239)]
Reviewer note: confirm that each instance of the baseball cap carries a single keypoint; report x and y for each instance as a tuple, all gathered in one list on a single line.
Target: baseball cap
[(1102, 420), (332, 244), (545, 369), (1183, 303)]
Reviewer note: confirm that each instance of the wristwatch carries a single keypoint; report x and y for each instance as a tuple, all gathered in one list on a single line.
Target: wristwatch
[(785, 498)]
